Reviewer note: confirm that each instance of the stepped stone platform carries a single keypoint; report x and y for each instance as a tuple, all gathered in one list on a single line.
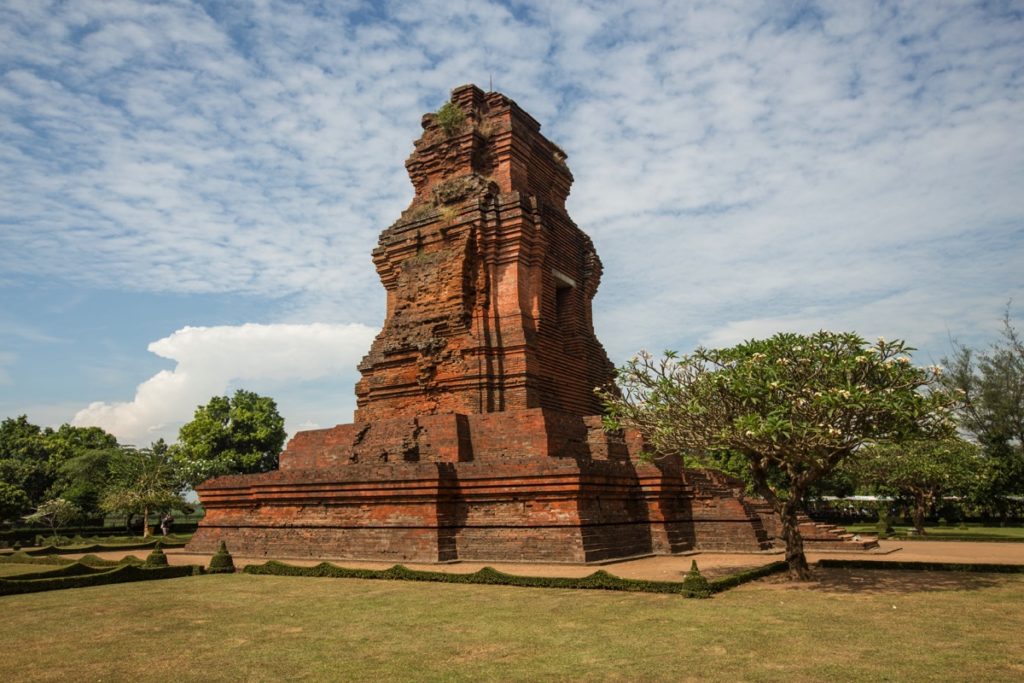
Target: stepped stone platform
[(477, 433)]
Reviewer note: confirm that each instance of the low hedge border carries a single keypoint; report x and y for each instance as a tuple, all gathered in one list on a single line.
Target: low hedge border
[(26, 534), (73, 569), (123, 574), (923, 566), (488, 575), (727, 582), (954, 539), (97, 548), (599, 580), (21, 557)]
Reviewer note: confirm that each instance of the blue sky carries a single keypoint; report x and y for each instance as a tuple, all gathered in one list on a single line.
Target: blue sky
[(189, 191)]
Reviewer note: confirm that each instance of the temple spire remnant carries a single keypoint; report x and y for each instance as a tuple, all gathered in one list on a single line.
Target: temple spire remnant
[(477, 433)]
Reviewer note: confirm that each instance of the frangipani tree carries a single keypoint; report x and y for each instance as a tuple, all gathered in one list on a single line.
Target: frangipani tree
[(923, 469), (143, 481), (55, 513), (793, 406)]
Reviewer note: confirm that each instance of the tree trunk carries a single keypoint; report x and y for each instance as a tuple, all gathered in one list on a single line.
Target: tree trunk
[(795, 558), (920, 510), (787, 512), (145, 523)]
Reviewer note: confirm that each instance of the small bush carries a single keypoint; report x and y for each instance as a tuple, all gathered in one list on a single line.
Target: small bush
[(157, 558), (221, 562), (695, 583), (450, 118)]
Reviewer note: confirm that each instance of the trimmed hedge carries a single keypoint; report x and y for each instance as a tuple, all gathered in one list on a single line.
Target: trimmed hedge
[(119, 541), (979, 538), (923, 566), (157, 558), (26, 534), (98, 548), (599, 580), (90, 560), (221, 562), (74, 569), (124, 574), (727, 582)]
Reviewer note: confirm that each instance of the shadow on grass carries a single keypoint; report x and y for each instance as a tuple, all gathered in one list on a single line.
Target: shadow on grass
[(879, 581)]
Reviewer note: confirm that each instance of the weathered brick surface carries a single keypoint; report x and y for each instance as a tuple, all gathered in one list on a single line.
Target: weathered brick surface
[(476, 434), (489, 282)]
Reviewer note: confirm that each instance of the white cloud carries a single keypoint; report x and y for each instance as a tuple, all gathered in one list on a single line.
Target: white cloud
[(211, 359)]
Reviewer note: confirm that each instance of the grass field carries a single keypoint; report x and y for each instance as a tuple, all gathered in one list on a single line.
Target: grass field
[(866, 626), (938, 533)]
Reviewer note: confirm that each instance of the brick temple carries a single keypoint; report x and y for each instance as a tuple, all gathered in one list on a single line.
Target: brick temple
[(477, 433)]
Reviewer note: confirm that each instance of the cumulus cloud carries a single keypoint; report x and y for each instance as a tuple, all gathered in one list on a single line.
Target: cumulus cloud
[(210, 359)]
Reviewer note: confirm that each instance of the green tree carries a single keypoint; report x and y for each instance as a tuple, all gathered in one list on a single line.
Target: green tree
[(13, 502), (923, 470), (992, 411), (56, 513), (143, 482), (83, 478), (24, 458), (68, 442), (79, 464), (794, 406), (42, 462), (240, 435)]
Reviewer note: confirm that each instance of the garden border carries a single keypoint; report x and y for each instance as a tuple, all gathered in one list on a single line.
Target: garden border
[(599, 580)]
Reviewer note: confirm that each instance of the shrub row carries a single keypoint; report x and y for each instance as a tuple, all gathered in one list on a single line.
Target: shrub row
[(727, 582), (119, 541), (73, 569), (599, 580), (923, 566), (98, 548), (21, 557), (123, 574), (25, 535), (953, 539)]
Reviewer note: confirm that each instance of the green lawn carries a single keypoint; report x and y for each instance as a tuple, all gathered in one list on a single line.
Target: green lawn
[(971, 533), (868, 626)]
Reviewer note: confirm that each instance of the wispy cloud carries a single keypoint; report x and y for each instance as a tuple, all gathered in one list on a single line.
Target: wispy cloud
[(740, 165)]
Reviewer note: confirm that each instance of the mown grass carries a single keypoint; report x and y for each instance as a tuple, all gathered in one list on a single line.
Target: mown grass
[(939, 533), (868, 626)]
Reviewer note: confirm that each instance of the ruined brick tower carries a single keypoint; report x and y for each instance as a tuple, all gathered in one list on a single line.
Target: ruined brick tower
[(489, 281), (477, 433)]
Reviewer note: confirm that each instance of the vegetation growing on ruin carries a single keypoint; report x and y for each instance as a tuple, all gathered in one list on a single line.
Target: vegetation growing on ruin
[(450, 118)]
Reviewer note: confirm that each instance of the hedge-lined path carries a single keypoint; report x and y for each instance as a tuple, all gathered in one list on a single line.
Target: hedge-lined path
[(661, 567)]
